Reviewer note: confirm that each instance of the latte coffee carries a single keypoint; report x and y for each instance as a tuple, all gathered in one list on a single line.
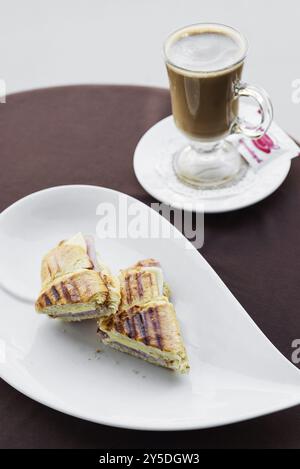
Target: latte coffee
[(204, 62)]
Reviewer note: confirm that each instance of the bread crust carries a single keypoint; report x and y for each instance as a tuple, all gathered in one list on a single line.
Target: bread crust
[(72, 284), (63, 259), (82, 286), (155, 324), (139, 284), (150, 332)]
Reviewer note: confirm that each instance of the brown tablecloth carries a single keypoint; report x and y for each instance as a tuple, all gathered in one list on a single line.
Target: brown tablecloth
[(87, 135)]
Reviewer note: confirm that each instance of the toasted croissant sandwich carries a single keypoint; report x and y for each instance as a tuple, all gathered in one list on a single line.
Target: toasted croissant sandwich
[(75, 284), (141, 283), (150, 332)]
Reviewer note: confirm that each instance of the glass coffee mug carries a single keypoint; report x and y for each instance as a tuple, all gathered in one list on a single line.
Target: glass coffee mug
[(205, 64)]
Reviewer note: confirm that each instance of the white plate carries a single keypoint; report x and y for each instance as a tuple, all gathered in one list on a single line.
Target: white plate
[(161, 140), (236, 373)]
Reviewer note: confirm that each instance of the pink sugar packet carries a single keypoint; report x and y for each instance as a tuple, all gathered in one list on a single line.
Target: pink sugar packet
[(275, 145)]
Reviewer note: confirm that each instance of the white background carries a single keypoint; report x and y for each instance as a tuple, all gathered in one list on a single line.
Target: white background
[(51, 42)]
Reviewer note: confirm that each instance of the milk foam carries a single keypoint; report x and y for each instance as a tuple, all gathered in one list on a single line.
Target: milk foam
[(205, 51)]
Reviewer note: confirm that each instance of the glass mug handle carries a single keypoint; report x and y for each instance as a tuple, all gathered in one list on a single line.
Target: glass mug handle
[(265, 108)]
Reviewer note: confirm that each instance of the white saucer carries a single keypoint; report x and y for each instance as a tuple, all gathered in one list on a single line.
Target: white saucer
[(236, 373), (153, 169)]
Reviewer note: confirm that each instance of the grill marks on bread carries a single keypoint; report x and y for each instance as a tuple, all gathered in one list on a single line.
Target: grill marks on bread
[(138, 287), (140, 324), (79, 287), (64, 259)]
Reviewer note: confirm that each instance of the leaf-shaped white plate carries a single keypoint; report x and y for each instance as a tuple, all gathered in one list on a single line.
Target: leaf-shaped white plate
[(236, 373)]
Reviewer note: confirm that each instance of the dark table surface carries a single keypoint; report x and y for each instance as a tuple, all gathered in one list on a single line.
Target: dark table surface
[(87, 135)]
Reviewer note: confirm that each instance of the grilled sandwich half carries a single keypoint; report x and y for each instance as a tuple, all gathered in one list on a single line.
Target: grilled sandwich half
[(75, 284), (141, 283), (150, 332)]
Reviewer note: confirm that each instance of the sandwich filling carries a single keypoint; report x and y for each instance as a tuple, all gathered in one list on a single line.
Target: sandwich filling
[(169, 360), (76, 316)]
